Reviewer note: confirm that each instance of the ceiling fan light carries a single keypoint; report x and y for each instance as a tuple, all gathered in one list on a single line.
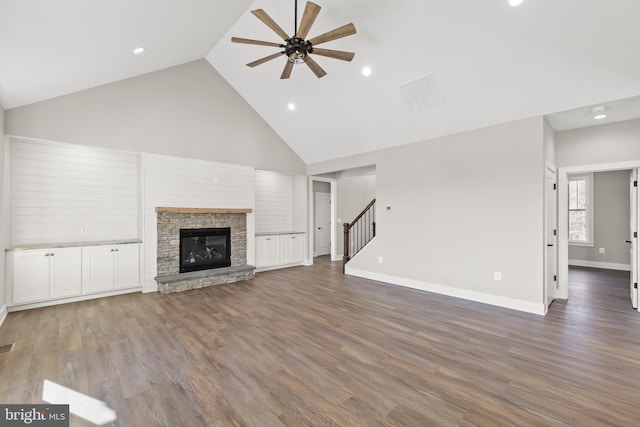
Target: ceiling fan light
[(366, 71), (291, 106), (297, 57), (514, 3)]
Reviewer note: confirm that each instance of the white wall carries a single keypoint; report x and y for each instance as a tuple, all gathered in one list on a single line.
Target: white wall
[(549, 136), (274, 202), (3, 201), (611, 223), (72, 193), (463, 207), (616, 142), (174, 182), (186, 111)]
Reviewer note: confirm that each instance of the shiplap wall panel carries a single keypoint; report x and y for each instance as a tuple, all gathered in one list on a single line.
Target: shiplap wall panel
[(57, 189), (189, 183), (274, 202)]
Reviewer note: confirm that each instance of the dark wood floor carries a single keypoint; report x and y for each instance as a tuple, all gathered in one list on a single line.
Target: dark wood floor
[(308, 346)]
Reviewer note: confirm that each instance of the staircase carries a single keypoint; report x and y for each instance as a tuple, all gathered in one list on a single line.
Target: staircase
[(359, 232)]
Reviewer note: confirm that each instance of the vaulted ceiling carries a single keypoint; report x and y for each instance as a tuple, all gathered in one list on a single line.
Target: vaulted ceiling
[(486, 62)]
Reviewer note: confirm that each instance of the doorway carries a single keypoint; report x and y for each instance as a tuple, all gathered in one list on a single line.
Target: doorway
[(316, 182), (563, 224), (322, 224)]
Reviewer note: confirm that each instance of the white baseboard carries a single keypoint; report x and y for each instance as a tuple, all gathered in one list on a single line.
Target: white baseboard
[(596, 264), (3, 313), (514, 304), (28, 306)]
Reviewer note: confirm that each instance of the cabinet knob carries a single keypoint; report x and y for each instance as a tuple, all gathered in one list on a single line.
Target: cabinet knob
[(47, 254), (115, 250)]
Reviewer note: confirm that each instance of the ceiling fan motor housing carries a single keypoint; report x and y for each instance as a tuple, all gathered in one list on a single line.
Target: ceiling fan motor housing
[(297, 49)]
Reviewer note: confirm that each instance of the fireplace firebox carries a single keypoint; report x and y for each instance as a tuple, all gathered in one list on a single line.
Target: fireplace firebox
[(204, 248)]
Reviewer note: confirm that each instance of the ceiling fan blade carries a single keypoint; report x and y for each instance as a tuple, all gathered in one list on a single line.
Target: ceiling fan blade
[(265, 59), (262, 15), (286, 73), (344, 31), (337, 54), (309, 16), (317, 70), (258, 42)]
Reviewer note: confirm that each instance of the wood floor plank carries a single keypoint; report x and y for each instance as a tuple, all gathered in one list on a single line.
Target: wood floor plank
[(309, 346)]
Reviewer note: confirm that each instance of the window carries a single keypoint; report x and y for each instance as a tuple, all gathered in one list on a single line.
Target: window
[(581, 210)]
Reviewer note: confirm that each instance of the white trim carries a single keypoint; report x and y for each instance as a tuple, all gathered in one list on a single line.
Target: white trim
[(3, 313), (514, 304), (87, 297), (597, 264), (311, 212), (583, 244), (588, 178)]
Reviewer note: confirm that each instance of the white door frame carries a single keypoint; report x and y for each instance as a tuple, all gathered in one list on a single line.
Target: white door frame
[(311, 211), (563, 215), (550, 169)]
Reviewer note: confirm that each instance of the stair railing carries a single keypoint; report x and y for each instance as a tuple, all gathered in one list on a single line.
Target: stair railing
[(359, 232)]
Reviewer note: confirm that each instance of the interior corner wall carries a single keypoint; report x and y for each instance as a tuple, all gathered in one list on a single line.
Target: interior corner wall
[(463, 207), (187, 111), (3, 196), (611, 224)]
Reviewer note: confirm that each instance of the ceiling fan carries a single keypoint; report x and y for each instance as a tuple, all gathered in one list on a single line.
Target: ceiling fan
[(296, 48)]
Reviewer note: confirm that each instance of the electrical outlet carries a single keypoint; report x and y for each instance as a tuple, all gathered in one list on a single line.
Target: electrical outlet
[(497, 275), (601, 250), (388, 208), (380, 260), (83, 230)]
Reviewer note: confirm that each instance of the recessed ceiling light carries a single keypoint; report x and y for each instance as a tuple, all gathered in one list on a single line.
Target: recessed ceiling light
[(291, 106), (599, 112), (515, 3), (138, 50), (366, 71)]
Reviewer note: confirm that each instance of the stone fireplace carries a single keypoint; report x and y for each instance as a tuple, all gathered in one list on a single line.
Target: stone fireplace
[(172, 220)]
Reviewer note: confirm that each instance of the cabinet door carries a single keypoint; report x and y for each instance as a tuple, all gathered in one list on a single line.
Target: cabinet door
[(30, 276), (297, 249), (127, 266), (267, 251), (65, 272), (292, 248), (98, 272), (261, 251)]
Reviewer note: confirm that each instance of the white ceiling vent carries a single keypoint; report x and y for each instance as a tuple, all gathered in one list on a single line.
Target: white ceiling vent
[(422, 94)]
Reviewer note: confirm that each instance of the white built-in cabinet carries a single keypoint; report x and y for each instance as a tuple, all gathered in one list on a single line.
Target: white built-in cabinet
[(279, 250), (45, 276), (105, 268)]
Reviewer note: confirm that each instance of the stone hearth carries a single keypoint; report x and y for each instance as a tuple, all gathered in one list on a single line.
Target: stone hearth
[(171, 220)]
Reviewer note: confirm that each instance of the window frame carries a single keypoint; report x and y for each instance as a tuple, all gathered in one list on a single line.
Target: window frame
[(589, 238)]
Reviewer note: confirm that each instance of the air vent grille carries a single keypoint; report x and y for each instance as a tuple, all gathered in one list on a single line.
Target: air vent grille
[(422, 94), (6, 348)]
